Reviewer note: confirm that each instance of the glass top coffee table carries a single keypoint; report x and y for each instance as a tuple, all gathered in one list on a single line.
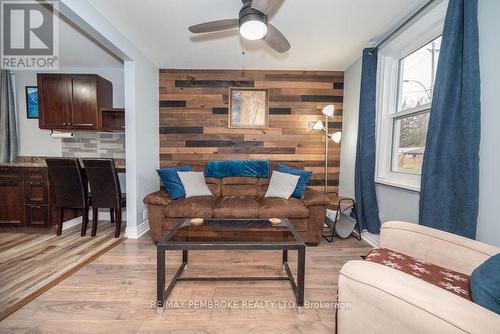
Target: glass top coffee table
[(231, 234)]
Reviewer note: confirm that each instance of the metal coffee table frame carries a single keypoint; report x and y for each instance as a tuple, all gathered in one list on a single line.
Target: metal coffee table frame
[(165, 244)]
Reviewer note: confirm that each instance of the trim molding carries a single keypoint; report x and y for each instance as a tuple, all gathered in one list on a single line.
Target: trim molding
[(371, 239), (135, 232), (103, 215), (71, 223)]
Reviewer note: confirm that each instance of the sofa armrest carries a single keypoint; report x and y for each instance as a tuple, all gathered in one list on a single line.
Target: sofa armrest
[(315, 198), (441, 248), (157, 198), (384, 300)]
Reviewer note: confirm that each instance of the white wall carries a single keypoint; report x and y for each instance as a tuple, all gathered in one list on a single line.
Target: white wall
[(141, 103), (397, 204), (400, 204), (488, 228), (352, 85), (34, 141)]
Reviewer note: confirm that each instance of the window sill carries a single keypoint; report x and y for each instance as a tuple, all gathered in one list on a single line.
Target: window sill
[(399, 185)]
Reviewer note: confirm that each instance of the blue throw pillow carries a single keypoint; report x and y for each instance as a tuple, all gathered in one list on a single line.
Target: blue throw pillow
[(305, 176), (172, 182), (485, 284)]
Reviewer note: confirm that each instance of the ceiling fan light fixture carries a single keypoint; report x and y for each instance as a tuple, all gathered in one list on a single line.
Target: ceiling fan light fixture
[(253, 30), (253, 24)]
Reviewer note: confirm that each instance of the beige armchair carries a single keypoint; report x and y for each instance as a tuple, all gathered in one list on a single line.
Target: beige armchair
[(384, 300)]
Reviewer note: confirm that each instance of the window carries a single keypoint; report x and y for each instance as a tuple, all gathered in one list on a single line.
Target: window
[(417, 73), (406, 74)]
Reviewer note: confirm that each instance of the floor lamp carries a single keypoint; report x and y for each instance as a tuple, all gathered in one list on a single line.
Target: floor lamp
[(329, 112)]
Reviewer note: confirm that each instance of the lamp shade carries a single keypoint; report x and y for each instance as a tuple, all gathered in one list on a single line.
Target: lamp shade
[(328, 110), (253, 29), (318, 125), (337, 137)]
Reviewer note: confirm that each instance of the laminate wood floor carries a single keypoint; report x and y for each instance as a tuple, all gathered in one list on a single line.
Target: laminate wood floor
[(114, 293), (31, 263)]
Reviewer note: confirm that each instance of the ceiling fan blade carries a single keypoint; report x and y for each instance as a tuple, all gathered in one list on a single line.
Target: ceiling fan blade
[(276, 40), (214, 26), (264, 6)]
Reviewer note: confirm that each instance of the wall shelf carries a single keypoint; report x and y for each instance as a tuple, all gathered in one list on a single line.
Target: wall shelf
[(112, 119)]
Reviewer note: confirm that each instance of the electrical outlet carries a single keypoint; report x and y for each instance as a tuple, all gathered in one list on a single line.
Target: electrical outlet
[(144, 215)]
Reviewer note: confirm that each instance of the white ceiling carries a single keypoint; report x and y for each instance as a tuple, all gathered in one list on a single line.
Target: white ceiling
[(78, 50), (324, 34)]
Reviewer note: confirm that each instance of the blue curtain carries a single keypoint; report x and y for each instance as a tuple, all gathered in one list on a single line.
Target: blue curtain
[(366, 198), (8, 123), (450, 173)]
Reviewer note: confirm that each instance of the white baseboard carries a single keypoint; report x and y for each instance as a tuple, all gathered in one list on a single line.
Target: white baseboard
[(103, 215), (135, 232), (71, 223), (371, 239)]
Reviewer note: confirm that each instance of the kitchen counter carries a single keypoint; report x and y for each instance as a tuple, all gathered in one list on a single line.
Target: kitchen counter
[(37, 162), (27, 197)]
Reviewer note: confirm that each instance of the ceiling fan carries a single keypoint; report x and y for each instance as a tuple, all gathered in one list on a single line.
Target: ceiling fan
[(252, 23)]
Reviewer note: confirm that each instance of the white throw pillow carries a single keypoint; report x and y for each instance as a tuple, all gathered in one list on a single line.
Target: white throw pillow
[(194, 184), (282, 185)]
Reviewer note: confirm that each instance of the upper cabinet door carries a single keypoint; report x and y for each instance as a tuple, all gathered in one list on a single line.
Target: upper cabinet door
[(85, 108), (53, 101), (73, 101)]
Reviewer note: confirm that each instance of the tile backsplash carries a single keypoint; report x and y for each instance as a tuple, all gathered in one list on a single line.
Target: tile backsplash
[(95, 145)]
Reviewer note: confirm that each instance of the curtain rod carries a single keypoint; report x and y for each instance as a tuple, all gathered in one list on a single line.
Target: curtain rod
[(402, 25)]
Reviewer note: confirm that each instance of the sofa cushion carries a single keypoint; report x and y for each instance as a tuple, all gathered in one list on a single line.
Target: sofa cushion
[(236, 207), (190, 207), (240, 180), (262, 185), (452, 281), (271, 207), (239, 186), (214, 184), (485, 284)]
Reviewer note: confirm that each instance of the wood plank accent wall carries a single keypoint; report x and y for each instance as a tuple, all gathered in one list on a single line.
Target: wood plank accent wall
[(194, 113)]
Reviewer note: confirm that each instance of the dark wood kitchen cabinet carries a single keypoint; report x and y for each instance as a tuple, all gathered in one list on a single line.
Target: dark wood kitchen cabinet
[(72, 101), (25, 197), (11, 197), (36, 197), (112, 119)]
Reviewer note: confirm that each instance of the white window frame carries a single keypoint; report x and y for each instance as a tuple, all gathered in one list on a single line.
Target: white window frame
[(424, 30)]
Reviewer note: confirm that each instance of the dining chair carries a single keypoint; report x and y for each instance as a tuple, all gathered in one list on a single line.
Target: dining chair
[(70, 188), (106, 192)]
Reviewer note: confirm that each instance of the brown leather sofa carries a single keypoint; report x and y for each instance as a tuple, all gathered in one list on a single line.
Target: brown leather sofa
[(239, 197)]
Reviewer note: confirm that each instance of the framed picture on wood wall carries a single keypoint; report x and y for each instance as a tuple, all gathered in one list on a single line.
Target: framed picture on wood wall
[(248, 108)]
